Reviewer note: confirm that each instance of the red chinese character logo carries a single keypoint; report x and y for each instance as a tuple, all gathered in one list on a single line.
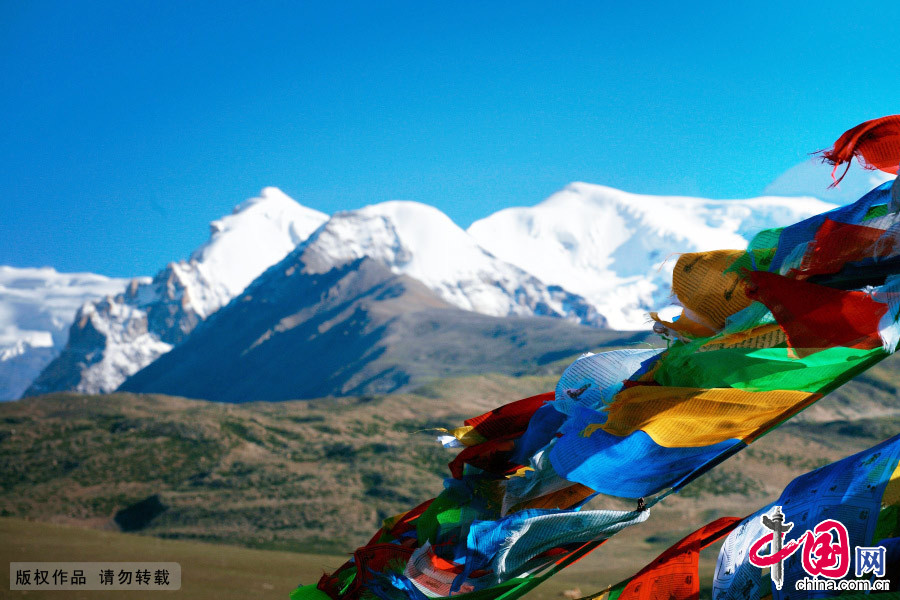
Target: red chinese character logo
[(822, 555)]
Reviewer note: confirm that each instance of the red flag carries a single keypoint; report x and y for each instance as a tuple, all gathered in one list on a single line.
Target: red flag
[(817, 317), (674, 573), (875, 143)]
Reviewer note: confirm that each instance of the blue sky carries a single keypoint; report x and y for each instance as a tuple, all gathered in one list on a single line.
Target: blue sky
[(128, 126)]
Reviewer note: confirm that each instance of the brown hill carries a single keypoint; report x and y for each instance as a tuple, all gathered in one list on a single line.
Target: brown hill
[(353, 330), (319, 475)]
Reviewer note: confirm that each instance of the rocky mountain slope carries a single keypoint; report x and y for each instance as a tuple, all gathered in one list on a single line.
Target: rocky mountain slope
[(115, 337), (588, 255), (422, 242), (37, 306), (308, 329)]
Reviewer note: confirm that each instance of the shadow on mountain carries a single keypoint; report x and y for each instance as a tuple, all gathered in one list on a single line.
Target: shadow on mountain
[(355, 329), (140, 514)]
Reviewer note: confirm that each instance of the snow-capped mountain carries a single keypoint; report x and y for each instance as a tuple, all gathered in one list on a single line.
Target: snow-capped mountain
[(36, 309), (422, 242), (611, 247), (303, 330), (589, 254), (117, 336)]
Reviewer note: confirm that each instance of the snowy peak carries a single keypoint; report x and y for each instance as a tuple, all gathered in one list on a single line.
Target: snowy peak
[(114, 338), (422, 242), (413, 238), (730, 222), (611, 246), (38, 303), (258, 233), (36, 308), (588, 254)]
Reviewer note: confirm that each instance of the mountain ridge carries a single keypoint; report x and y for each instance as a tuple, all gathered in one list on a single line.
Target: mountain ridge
[(300, 331), (612, 247), (422, 242), (588, 254), (37, 306), (113, 338)]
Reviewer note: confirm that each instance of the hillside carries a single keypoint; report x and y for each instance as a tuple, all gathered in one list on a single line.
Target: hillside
[(217, 572), (208, 572), (299, 332), (321, 474)]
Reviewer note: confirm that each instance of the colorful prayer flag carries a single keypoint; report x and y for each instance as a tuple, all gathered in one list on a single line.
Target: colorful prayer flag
[(764, 333)]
